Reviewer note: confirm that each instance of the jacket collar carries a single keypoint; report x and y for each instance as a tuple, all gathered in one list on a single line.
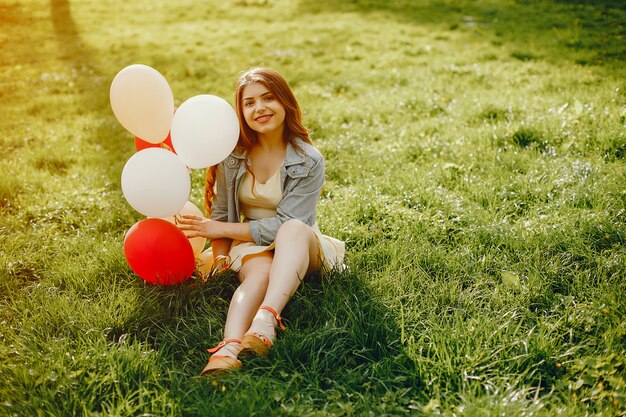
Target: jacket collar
[(292, 156), (238, 153)]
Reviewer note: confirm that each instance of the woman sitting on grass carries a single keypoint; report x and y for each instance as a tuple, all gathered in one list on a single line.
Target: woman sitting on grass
[(272, 180)]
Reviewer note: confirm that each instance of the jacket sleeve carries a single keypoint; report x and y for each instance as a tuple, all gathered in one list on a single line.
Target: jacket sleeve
[(299, 203), (220, 200)]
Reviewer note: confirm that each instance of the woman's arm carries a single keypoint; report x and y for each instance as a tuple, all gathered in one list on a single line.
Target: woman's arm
[(214, 230), (219, 209), (217, 228)]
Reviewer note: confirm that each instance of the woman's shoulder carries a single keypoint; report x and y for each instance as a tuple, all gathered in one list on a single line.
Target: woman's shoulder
[(308, 150), (239, 152), (234, 158)]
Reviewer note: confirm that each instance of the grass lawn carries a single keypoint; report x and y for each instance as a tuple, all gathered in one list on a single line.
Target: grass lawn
[(475, 170)]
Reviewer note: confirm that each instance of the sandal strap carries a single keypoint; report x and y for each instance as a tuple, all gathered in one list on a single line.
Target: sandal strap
[(222, 344), (279, 319), (216, 357)]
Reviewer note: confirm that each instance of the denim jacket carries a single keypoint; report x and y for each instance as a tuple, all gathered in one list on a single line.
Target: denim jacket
[(301, 176)]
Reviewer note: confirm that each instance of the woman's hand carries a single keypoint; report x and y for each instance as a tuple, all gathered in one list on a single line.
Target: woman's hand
[(200, 227)]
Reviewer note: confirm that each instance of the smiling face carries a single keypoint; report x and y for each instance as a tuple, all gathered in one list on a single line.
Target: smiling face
[(262, 110)]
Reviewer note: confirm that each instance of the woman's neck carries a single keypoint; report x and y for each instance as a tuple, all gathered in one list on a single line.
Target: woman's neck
[(270, 142)]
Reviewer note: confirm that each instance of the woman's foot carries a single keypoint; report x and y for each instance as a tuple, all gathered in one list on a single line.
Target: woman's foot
[(224, 357), (260, 337)]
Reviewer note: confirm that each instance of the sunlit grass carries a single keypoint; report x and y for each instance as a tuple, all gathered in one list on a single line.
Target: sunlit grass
[(475, 169)]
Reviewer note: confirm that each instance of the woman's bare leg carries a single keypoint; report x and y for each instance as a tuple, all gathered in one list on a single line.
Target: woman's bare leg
[(246, 300), (296, 254)]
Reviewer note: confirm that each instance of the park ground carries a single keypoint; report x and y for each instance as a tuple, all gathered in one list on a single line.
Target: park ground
[(475, 170)]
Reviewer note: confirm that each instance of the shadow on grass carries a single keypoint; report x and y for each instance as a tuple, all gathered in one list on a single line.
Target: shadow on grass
[(74, 51), (341, 349), (586, 31), (617, 4), (92, 93), (65, 28)]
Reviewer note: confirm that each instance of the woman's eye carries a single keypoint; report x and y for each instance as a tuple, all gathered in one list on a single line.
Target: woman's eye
[(269, 98), (248, 103)]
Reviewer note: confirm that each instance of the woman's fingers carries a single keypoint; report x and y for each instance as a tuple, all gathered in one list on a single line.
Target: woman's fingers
[(198, 226), (185, 228), (190, 220), (191, 217)]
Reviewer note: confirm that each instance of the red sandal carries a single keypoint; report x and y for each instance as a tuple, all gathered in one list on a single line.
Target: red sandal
[(219, 364), (258, 344)]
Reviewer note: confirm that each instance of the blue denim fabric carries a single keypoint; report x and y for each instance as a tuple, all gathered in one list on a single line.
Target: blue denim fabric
[(301, 176)]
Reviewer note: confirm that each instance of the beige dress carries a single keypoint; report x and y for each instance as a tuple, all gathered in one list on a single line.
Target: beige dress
[(260, 202)]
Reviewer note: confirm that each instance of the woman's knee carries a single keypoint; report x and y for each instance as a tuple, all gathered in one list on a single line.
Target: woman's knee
[(293, 228), (256, 277), (256, 270)]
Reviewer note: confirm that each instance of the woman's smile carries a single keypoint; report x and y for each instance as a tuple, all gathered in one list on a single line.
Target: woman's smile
[(263, 118)]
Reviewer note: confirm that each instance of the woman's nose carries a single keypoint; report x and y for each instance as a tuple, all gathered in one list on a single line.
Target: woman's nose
[(259, 106)]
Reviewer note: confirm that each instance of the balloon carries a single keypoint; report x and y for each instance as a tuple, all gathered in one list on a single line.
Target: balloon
[(205, 262), (159, 252), (142, 102), (156, 183), (204, 130), (189, 209), (166, 144)]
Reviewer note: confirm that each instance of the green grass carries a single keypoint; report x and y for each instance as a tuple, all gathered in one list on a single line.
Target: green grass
[(475, 169)]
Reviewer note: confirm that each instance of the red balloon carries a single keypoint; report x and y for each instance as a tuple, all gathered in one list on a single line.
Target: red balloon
[(159, 252), (166, 144)]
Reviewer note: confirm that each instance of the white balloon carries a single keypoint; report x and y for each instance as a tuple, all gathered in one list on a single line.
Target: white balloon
[(190, 209), (156, 182), (143, 102), (205, 130)]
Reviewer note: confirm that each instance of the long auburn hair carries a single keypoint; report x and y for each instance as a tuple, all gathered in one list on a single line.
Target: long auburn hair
[(294, 128)]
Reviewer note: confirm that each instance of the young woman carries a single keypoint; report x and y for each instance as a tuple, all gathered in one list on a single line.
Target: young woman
[(261, 201)]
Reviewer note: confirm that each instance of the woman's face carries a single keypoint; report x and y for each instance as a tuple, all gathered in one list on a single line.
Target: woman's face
[(261, 110)]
